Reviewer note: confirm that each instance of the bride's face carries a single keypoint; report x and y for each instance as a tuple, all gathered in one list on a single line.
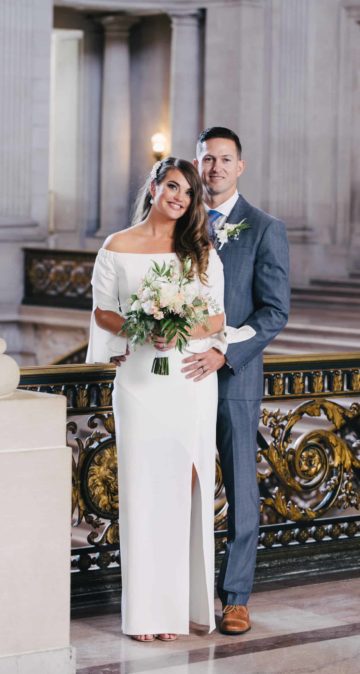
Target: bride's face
[(172, 197)]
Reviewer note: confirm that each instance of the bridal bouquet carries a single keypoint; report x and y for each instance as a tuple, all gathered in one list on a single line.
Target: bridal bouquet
[(166, 304)]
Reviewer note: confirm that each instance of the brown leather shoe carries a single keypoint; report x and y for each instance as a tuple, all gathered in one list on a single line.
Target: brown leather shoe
[(235, 620)]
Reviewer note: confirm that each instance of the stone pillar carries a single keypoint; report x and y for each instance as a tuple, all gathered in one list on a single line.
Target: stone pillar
[(236, 85), (25, 33), (348, 114), (25, 38), (91, 116), (185, 82), (35, 499), (288, 151), (115, 131)]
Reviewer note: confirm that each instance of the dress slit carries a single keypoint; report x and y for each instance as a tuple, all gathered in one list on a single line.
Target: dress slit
[(199, 590)]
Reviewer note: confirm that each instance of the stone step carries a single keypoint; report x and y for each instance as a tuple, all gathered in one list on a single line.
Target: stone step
[(279, 349), (300, 338), (328, 282), (338, 331), (318, 296), (327, 290), (293, 344), (320, 339)]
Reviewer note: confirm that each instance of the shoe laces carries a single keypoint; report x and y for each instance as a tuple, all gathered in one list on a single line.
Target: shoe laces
[(233, 608)]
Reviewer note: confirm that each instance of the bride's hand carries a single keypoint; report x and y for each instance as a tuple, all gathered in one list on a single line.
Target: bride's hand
[(117, 360), (161, 344)]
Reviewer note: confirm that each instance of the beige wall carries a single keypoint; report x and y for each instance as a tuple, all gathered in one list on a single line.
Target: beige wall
[(283, 73)]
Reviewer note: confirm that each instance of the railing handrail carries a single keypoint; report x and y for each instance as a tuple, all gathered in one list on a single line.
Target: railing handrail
[(269, 362)]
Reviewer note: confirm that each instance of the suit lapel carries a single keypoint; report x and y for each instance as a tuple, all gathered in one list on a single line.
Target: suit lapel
[(239, 211)]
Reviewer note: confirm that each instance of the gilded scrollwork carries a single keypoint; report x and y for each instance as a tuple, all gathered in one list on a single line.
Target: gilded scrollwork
[(58, 277), (59, 274), (95, 485), (317, 470), (101, 481)]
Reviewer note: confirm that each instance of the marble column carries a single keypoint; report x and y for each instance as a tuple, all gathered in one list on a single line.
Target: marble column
[(185, 82), (289, 68), (25, 37), (348, 115), (25, 33), (115, 131)]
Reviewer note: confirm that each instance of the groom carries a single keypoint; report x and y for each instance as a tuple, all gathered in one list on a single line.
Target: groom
[(254, 252)]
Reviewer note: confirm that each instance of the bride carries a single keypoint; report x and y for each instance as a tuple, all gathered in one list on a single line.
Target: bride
[(165, 425)]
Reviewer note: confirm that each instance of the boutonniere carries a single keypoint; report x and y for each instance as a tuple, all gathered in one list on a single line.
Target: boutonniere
[(230, 231)]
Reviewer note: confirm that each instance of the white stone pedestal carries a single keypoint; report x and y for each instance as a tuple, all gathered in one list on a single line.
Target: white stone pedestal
[(35, 512)]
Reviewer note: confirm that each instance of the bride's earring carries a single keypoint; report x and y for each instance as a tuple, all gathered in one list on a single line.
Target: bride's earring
[(151, 200)]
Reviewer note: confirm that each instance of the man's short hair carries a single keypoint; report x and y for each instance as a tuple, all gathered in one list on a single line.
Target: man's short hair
[(218, 132)]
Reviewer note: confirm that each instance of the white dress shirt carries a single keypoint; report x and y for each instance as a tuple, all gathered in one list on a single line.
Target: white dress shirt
[(226, 207)]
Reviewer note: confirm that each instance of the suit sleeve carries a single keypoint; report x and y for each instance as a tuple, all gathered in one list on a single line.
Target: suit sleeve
[(271, 295)]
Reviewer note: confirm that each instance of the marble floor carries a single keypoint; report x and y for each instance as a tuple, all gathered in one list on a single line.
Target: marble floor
[(312, 628)]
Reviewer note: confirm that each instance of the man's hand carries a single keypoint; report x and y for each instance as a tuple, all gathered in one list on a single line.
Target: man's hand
[(200, 365), (117, 360)]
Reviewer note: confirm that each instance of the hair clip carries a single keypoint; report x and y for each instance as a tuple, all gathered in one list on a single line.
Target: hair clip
[(154, 170)]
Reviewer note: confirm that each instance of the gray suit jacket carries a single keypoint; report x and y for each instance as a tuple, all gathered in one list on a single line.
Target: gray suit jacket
[(256, 269)]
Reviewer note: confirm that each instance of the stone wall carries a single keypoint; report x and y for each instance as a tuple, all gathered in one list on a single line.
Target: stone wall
[(283, 73)]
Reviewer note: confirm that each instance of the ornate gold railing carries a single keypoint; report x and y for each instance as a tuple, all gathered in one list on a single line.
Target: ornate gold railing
[(308, 470), (58, 278)]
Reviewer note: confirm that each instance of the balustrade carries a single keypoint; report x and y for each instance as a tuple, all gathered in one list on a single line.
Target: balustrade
[(308, 471)]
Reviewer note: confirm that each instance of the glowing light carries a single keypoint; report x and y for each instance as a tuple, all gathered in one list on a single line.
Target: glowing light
[(158, 142)]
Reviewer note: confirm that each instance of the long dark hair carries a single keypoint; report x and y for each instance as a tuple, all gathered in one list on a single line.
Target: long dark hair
[(191, 237)]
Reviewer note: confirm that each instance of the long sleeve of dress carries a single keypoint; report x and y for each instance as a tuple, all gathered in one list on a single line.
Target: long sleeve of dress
[(103, 344), (215, 290)]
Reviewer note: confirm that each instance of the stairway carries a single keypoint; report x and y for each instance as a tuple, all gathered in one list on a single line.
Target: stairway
[(324, 318), (329, 291), (299, 338)]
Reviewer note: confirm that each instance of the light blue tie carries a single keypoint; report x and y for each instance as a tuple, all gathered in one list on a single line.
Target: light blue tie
[(213, 216)]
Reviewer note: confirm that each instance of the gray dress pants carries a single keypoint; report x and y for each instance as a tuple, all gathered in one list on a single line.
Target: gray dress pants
[(237, 426)]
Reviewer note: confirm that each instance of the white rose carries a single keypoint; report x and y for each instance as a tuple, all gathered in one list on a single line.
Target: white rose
[(145, 294), (149, 307), (136, 306), (167, 295), (178, 302)]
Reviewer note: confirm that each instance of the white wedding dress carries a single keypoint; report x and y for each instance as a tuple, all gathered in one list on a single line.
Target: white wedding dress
[(164, 426)]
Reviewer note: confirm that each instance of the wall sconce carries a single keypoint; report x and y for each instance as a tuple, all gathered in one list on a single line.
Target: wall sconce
[(158, 142)]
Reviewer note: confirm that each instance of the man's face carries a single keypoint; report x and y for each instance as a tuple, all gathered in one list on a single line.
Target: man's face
[(219, 167)]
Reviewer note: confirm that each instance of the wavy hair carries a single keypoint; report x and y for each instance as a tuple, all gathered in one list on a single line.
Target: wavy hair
[(191, 237)]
